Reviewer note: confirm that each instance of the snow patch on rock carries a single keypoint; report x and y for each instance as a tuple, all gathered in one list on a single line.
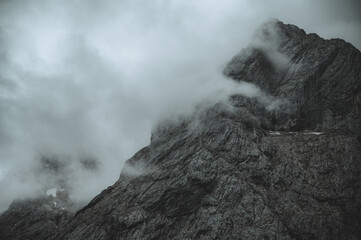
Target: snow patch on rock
[(51, 192)]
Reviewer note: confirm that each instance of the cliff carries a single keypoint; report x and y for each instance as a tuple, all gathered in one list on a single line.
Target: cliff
[(245, 169)]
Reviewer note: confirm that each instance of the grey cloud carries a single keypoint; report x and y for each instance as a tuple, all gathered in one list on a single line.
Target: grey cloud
[(86, 79)]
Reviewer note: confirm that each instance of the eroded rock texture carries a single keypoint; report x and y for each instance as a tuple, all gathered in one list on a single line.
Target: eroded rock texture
[(223, 174), (36, 218), (320, 78)]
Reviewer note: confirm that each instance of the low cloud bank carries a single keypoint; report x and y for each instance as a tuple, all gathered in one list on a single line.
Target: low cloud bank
[(82, 83)]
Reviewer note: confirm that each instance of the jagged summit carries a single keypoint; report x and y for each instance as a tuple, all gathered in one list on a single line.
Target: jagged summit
[(320, 79), (227, 175)]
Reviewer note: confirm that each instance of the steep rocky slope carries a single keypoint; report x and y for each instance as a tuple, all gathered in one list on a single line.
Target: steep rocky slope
[(319, 78), (36, 218), (244, 169)]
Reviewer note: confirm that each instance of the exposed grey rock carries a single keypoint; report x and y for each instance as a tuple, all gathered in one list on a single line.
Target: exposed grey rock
[(232, 181), (321, 79), (36, 218), (222, 174)]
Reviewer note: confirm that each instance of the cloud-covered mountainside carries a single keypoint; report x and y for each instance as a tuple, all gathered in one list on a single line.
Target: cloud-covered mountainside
[(83, 83), (277, 155)]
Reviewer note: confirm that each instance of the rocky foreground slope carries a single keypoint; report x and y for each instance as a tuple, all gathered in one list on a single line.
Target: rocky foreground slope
[(245, 169)]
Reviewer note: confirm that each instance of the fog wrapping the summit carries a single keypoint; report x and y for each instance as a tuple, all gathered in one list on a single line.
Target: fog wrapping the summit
[(84, 82)]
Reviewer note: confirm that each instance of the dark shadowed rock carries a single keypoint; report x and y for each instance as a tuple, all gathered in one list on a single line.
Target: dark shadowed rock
[(36, 218), (223, 174), (320, 79)]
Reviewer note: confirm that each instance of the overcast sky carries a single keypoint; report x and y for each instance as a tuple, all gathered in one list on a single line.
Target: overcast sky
[(91, 78)]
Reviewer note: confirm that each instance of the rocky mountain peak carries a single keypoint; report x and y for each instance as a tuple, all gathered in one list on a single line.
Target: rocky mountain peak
[(243, 169), (320, 79)]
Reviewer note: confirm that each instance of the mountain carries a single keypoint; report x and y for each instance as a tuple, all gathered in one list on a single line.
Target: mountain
[(36, 218), (320, 78), (284, 165)]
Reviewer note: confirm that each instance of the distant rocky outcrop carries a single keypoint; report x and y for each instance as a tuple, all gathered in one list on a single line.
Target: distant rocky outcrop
[(243, 169), (36, 218)]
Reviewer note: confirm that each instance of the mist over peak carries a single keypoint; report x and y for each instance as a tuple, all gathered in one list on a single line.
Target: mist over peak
[(263, 145), (87, 80)]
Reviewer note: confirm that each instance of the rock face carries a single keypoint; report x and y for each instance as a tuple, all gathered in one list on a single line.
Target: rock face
[(36, 218), (320, 78), (235, 171)]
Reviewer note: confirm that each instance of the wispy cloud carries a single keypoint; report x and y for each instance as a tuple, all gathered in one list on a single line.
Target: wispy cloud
[(89, 79)]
